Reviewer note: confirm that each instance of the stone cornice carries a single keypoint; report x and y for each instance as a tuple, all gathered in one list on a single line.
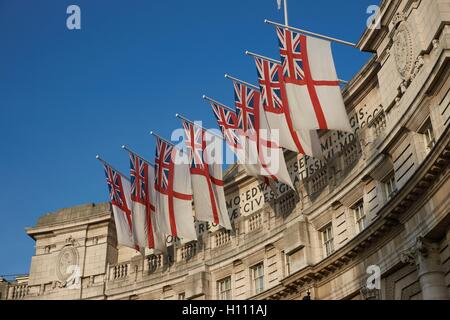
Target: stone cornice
[(81, 223)]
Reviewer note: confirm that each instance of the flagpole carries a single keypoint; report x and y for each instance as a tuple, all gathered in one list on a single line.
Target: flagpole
[(167, 141), (285, 26), (242, 82), (286, 18), (129, 150), (161, 138), (252, 54), (107, 164), (195, 124), (218, 103)]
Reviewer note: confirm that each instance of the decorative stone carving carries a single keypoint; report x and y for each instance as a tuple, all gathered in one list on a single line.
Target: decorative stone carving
[(422, 247), (435, 43), (71, 241), (398, 18), (404, 86), (408, 257), (66, 258), (370, 294), (418, 64), (403, 50), (58, 284)]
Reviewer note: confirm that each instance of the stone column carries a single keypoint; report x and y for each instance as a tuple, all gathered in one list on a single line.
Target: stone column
[(425, 255)]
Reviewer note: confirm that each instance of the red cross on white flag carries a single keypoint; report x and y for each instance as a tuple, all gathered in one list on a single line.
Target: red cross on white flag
[(312, 85), (275, 104), (145, 229), (206, 176), (173, 192), (120, 196), (262, 143)]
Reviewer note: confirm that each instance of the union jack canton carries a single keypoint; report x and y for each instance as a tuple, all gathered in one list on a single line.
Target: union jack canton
[(270, 82), (247, 103), (291, 54), (139, 177), (195, 144), (227, 121), (163, 164)]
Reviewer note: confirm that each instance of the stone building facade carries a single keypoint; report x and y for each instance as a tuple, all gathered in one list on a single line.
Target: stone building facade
[(377, 209)]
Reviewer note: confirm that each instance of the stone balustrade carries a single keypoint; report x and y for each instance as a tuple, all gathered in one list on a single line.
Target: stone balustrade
[(222, 238), (155, 262), (19, 291), (120, 271), (188, 251), (378, 124), (255, 221)]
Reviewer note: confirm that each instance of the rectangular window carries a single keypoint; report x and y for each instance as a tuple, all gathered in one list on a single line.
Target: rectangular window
[(390, 187), (258, 278), (328, 241), (182, 296), (224, 289), (360, 216), (428, 133)]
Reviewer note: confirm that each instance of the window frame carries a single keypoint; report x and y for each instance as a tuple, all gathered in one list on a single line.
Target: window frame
[(327, 239), (427, 131), (360, 215), (226, 292), (257, 289), (390, 182)]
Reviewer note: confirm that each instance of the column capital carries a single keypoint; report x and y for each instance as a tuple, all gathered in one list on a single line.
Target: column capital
[(424, 254), (420, 250)]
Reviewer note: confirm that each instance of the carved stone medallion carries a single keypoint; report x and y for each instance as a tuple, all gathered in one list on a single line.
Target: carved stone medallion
[(403, 50), (67, 257)]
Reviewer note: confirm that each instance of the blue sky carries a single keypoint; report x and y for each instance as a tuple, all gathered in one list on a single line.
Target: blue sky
[(67, 95)]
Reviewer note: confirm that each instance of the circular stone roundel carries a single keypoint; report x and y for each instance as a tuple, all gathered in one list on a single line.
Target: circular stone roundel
[(68, 256), (403, 50)]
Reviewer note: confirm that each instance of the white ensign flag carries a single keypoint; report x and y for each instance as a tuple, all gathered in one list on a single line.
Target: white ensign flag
[(173, 192), (312, 86), (119, 192), (145, 228), (206, 175), (275, 105), (263, 144)]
